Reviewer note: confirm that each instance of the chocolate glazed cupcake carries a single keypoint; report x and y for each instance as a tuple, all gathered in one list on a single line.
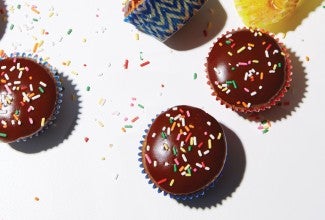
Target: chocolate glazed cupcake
[(30, 96), (183, 152), (248, 70)]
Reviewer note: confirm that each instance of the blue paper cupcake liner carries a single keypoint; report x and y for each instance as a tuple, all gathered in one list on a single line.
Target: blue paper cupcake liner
[(190, 196), (161, 18), (59, 98)]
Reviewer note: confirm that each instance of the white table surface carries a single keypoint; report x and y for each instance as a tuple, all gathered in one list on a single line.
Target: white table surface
[(276, 175)]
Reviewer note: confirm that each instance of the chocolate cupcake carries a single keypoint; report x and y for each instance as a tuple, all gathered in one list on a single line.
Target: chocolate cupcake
[(160, 18), (30, 96), (248, 70), (183, 152)]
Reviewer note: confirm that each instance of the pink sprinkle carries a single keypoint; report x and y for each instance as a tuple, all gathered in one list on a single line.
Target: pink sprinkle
[(242, 64), (148, 158), (176, 161), (133, 98), (30, 120), (188, 113), (126, 64), (30, 108), (8, 89), (26, 68), (246, 90), (126, 118), (205, 133), (86, 139), (178, 136), (132, 104), (194, 170)]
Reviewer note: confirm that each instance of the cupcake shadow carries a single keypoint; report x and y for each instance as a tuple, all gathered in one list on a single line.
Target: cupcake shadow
[(3, 18), (201, 28), (291, 100), (62, 127), (230, 179), (292, 22)]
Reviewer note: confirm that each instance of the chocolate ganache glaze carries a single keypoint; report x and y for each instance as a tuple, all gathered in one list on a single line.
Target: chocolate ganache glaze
[(248, 70), (28, 98), (184, 150)]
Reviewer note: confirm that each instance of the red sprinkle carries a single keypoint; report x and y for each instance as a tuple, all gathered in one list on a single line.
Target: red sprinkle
[(162, 181), (126, 64), (86, 139), (144, 63)]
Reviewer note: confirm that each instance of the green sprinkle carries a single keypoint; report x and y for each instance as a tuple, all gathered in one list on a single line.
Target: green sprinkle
[(189, 171), (171, 120), (128, 126), (3, 134), (17, 112), (88, 88), (228, 42), (41, 89), (12, 26), (175, 168), (19, 6), (35, 19), (265, 131), (234, 84), (141, 106), (233, 68), (174, 151), (279, 64), (195, 76), (163, 135), (69, 31), (189, 148)]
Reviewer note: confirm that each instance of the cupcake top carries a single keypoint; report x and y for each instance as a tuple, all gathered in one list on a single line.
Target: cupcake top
[(248, 70), (28, 97), (184, 150)]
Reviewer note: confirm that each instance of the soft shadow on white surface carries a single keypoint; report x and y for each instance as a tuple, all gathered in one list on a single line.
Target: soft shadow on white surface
[(3, 18), (292, 100), (62, 127), (230, 178), (201, 28)]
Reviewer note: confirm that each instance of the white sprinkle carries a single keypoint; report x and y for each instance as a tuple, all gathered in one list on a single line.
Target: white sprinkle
[(182, 143), (17, 82), (228, 35), (42, 84), (260, 87), (206, 152), (253, 93), (269, 63), (20, 74), (209, 123), (184, 157), (18, 65), (31, 87), (3, 67), (249, 105), (166, 164), (272, 71), (177, 117), (148, 148), (155, 163), (164, 128), (183, 121), (168, 131), (212, 136), (198, 165), (153, 135), (267, 54), (199, 153), (207, 168), (36, 97), (195, 142), (6, 76), (12, 68)]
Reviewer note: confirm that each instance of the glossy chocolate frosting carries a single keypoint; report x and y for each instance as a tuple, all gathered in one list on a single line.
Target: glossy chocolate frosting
[(248, 70), (28, 98), (184, 150)]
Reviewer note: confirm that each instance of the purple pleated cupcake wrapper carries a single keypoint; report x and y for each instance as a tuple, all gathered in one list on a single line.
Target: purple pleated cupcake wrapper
[(56, 76), (183, 197)]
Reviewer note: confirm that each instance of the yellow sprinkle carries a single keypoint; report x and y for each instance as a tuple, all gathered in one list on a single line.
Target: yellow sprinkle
[(192, 141), (187, 166), (51, 14), (166, 147), (191, 126), (101, 124), (137, 36), (40, 43), (74, 72), (183, 150), (307, 58), (171, 183), (84, 40), (209, 144), (219, 136), (43, 122), (35, 47), (230, 53), (102, 101), (250, 45), (241, 49)]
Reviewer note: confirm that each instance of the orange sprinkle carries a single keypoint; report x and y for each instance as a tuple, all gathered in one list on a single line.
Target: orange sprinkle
[(35, 47), (261, 76), (173, 126)]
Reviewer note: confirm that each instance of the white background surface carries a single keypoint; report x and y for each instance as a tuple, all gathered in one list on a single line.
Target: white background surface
[(277, 175)]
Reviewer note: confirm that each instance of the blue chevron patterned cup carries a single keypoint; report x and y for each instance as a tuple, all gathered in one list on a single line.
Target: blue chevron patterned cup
[(160, 18)]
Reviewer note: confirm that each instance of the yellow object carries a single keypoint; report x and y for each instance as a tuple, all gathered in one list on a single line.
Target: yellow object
[(260, 13)]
